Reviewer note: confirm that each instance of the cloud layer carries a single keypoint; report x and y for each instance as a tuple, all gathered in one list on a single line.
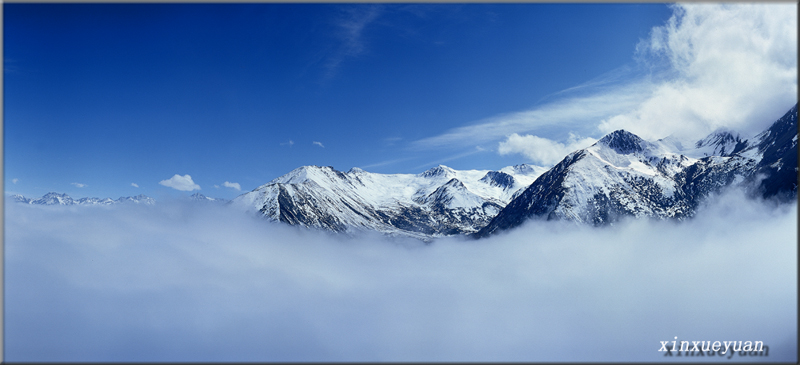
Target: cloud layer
[(182, 183), (189, 282)]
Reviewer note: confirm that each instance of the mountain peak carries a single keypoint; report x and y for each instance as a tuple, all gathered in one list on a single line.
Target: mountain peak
[(721, 142), (623, 142), (300, 174), (498, 178), (440, 170)]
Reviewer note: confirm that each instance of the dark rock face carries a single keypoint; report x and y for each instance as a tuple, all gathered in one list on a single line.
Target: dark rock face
[(498, 178), (776, 173), (624, 142)]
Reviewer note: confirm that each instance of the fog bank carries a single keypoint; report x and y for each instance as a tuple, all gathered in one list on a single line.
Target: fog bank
[(194, 282)]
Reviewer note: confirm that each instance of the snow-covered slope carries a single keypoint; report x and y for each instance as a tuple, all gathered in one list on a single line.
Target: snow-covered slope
[(440, 201), (624, 175)]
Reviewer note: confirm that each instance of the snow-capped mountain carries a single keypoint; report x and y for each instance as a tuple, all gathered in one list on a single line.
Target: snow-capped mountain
[(440, 201), (64, 199), (624, 175)]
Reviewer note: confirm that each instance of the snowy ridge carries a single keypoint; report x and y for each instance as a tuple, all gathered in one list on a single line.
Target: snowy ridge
[(439, 201)]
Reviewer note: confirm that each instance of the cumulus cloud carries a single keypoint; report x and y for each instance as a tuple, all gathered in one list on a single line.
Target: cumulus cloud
[(182, 282), (732, 65), (182, 183), (232, 185), (540, 150), (710, 66), (78, 185), (135, 185), (318, 144), (14, 180)]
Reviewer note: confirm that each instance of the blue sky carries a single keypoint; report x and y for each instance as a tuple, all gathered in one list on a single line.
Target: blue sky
[(99, 97)]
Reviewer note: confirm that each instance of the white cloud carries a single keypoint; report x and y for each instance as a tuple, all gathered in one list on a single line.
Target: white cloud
[(540, 150), (733, 65), (78, 185), (318, 144), (135, 185), (145, 284), (290, 143), (216, 186), (14, 180), (182, 183), (232, 185)]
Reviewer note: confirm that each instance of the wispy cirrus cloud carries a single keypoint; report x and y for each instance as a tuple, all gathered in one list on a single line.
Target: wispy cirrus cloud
[(318, 144), (78, 185), (470, 152), (350, 34), (571, 113), (182, 183)]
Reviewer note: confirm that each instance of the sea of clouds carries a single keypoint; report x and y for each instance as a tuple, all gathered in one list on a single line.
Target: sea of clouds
[(184, 281)]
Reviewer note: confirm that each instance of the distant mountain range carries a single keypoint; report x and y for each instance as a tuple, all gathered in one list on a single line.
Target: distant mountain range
[(64, 199), (621, 175)]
